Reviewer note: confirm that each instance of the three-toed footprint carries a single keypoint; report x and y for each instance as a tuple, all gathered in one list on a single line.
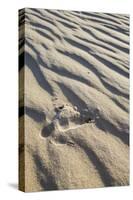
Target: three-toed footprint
[(67, 117)]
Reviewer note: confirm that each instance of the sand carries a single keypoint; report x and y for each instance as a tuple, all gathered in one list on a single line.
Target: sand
[(75, 126)]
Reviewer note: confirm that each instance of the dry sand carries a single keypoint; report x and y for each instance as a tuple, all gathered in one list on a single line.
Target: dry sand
[(76, 91)]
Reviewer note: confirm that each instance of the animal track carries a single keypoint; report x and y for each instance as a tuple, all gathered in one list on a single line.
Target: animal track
[(66, 118)]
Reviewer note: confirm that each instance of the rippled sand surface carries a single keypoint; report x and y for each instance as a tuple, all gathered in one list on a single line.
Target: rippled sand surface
[(76, 88)]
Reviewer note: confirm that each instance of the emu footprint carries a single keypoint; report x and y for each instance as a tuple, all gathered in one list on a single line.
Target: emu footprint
[(66, 118)]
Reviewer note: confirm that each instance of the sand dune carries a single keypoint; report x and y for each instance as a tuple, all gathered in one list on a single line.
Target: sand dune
[(76, 87)]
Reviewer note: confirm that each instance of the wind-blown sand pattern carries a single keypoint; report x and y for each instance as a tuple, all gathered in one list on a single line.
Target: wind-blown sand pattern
[(75, 71)]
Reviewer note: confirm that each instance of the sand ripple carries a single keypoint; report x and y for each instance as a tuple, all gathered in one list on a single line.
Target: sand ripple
[(76, 99)]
